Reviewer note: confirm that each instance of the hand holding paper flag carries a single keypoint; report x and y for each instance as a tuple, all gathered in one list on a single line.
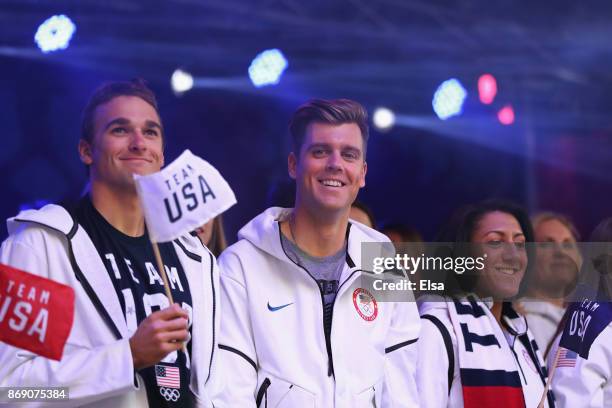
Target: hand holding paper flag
[(183, 196)]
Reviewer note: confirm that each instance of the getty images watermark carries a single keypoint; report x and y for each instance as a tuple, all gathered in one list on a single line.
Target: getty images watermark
[(394, 274), (411, 264), (404, 271)]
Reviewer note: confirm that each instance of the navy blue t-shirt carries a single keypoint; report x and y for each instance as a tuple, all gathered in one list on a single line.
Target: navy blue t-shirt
[(131, 265)]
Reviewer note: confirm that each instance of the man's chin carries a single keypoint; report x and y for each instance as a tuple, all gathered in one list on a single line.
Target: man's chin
[(333, 205), (143, 172)]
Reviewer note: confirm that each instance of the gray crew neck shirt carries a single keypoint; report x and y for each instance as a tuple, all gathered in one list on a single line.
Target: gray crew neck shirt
[(326, 270)]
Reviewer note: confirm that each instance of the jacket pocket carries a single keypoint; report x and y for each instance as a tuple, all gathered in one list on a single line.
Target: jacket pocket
[(276, 393)]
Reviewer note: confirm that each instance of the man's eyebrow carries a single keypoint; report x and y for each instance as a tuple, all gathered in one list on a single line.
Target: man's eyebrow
[(125, 121), (318, 145), (352, 149), (152, 124), (117, 121)]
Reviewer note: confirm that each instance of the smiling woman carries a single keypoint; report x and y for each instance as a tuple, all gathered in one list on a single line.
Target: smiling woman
[(488, 343), (500, 231)]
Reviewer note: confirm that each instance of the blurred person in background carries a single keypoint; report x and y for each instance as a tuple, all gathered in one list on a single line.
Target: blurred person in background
[(212, 235), (398, 232), (362, 213), (558, 261), (407, 241), (583, 374)]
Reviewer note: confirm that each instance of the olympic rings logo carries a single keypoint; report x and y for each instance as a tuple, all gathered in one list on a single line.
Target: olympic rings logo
[(170, 394)]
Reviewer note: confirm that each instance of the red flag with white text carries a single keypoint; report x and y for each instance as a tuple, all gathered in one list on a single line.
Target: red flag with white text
[(36, 313)]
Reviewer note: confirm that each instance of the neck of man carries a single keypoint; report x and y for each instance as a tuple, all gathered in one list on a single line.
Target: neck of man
[(316, 233), (121, 208), (551, 296)]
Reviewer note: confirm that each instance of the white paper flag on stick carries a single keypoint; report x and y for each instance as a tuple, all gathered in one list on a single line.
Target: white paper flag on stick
[(182, 196)]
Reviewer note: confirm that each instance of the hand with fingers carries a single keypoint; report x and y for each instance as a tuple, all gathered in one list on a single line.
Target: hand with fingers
[(161, 333)]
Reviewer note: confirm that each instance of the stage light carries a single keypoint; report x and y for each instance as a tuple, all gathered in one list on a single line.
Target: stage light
[(55, 33), (487, 88), (383, 119), (181, 81), (448, 99), (267, 68), (506, 115)]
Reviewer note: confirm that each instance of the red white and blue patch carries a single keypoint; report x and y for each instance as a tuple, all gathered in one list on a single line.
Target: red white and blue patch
[(168, 376), (365, 304), (567, 358)]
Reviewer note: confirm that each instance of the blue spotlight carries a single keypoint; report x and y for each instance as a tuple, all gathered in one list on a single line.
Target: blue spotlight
[(55, 33), (267, 68), (448, 99)]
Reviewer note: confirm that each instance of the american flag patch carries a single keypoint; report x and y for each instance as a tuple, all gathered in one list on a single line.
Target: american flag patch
[(168, 376), (567, 358)]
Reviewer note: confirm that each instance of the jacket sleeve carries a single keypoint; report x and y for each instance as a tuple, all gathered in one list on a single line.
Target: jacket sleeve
[(586, 383), (237, 357), (432, 367), (399, 388), (90, 373)]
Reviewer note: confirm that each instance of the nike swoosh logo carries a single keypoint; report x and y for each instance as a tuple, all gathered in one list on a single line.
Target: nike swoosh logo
[(276, 308)]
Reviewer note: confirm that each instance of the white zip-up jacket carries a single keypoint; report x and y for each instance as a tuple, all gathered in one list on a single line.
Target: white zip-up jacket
[(272, 341), (587, 383), (96, 366)]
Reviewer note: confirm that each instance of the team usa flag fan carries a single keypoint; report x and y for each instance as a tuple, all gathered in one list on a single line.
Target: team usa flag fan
[(184, 195), (36, 313)]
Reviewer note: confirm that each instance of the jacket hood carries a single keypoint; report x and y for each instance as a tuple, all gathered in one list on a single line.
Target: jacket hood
[(263, 232), (51, 215)]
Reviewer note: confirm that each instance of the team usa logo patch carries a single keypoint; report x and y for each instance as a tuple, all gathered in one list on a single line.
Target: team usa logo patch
[(365, 304)]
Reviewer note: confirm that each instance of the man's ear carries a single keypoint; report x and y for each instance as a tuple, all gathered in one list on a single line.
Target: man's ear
[(365, 170), (292, 165), (85, 152)]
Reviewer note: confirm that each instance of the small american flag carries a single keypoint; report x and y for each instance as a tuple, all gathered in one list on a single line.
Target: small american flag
[(567, 358), (167, 376)]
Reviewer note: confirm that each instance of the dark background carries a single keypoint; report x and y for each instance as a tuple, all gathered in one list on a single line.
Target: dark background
[(552, 61)]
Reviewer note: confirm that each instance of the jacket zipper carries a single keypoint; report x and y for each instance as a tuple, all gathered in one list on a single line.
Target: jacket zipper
[(330, 359), (330, 370), (214, 311)]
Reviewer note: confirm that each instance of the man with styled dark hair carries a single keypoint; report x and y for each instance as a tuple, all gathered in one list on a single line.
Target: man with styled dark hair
[(297, 329), (338, 112), (105, 93), (128, 346)]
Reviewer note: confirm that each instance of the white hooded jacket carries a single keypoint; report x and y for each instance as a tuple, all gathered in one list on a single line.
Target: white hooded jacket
[(96, 365), (272, 341)]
